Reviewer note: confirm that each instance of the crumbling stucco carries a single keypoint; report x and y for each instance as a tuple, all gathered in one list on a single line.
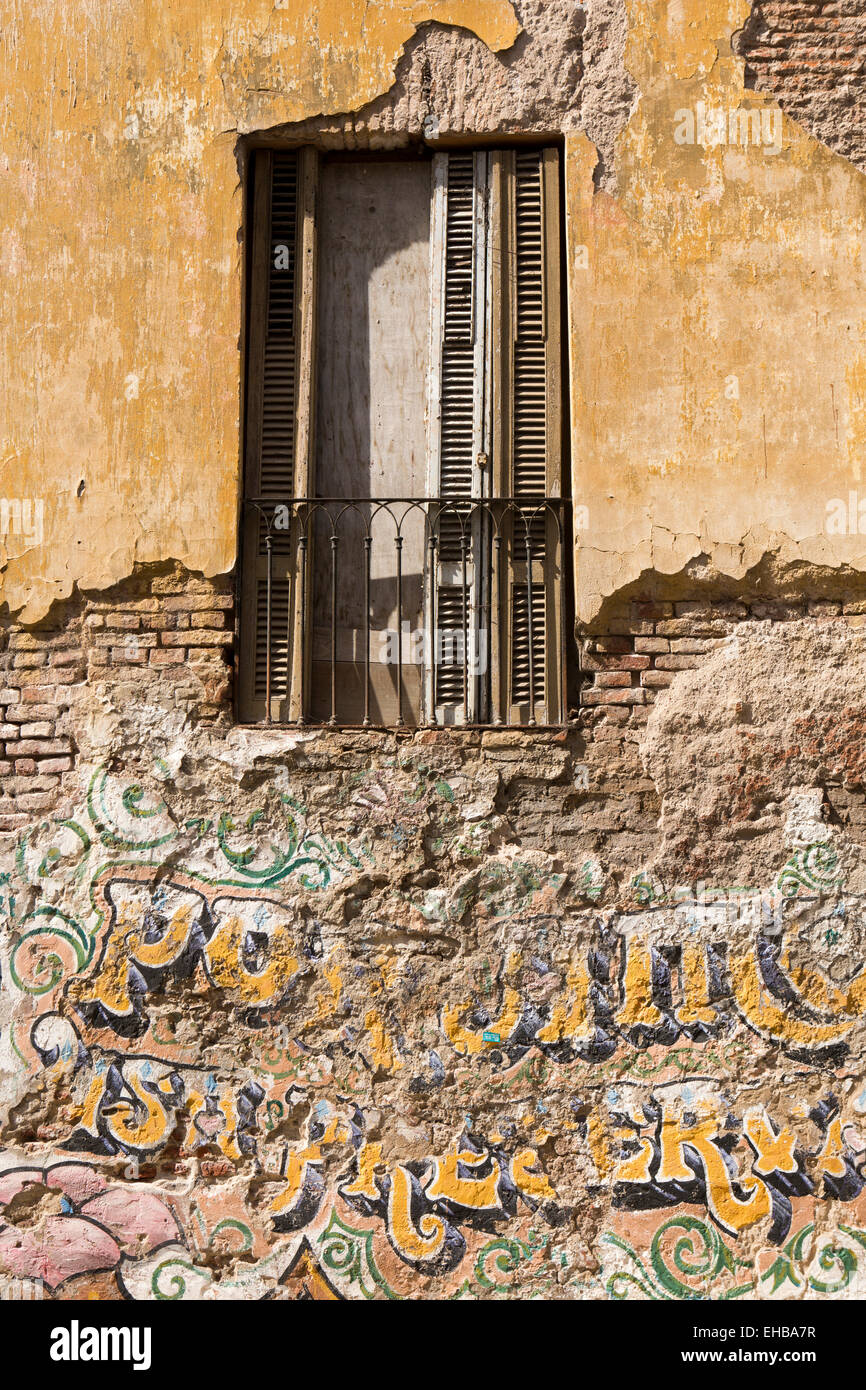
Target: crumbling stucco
[(716, 366), (128, 428), (299, 1013), (268, 995)]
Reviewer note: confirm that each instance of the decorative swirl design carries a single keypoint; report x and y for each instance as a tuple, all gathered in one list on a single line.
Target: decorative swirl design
[(699, 1253), (504, 1255), (813, 868), (230, 1224), (349, 1253), (38, 952), (177, 1282), (110, 832)]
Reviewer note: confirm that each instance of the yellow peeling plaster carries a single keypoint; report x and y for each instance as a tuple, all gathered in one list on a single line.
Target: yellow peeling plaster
[(717, 312), (120, 267), (718, 308)]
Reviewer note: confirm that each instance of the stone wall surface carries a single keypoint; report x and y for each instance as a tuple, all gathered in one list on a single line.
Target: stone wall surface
[(420, 1014), (477, 1013)]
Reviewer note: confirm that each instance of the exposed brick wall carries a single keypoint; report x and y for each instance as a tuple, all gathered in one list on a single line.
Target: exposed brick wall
[(811, 56), (168, 634), (168, 637), (650, 640)]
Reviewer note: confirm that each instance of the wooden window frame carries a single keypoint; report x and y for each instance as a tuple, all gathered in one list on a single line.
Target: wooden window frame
[(502, 568)]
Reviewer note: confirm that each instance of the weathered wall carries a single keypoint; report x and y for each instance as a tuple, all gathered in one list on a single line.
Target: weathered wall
[(716, 293), (487, 1014), (717, 367)]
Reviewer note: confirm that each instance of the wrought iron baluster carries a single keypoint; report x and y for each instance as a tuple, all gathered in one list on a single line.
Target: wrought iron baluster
[(368, 548), (335, 540), (268, 582), (465, 580), (303, 525), (496, 653), (398, 544), (432, 638), (528, 534)]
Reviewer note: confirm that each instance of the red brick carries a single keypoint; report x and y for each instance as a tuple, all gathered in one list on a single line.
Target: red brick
[(614, 697), (625, 661), (652, 644), (209, 619), (656, 679), (134, 652), (37, 694), (162, 657), (56, 765), (30, 782), (613, 679), (610, 644), (201, 639), (689, 646), (39, 747), (677, 663), (197, 603), (36, 801), (692, 627), (41, 729)]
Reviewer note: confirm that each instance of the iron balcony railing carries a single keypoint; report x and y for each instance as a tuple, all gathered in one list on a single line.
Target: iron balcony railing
[(394, 612)]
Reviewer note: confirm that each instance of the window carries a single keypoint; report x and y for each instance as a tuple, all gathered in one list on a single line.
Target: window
[(403, 521)]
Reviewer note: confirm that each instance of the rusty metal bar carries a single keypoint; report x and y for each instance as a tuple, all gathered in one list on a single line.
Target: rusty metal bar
[(472, 515), (368, 556), (335, 540), (465, 582), (269, 580), (528, 534), (398, 543), (432, 636), (303, 525)]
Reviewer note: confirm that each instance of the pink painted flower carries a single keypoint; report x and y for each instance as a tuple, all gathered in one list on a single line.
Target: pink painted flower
[(99, 1223)]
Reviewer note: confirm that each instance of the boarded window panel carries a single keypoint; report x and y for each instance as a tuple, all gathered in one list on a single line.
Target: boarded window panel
[(372, 365)]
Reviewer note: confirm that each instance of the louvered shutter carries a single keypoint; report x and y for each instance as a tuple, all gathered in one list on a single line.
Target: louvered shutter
[(459, 427), (528, 688), (277, 457), (496, 394)]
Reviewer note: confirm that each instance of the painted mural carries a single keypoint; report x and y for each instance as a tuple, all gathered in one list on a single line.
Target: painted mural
[(220, 1047)]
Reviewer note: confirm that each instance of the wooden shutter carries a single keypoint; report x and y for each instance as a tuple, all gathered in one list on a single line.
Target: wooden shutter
[(277, 457), (496, 429), (459, 421), (528, 437)]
